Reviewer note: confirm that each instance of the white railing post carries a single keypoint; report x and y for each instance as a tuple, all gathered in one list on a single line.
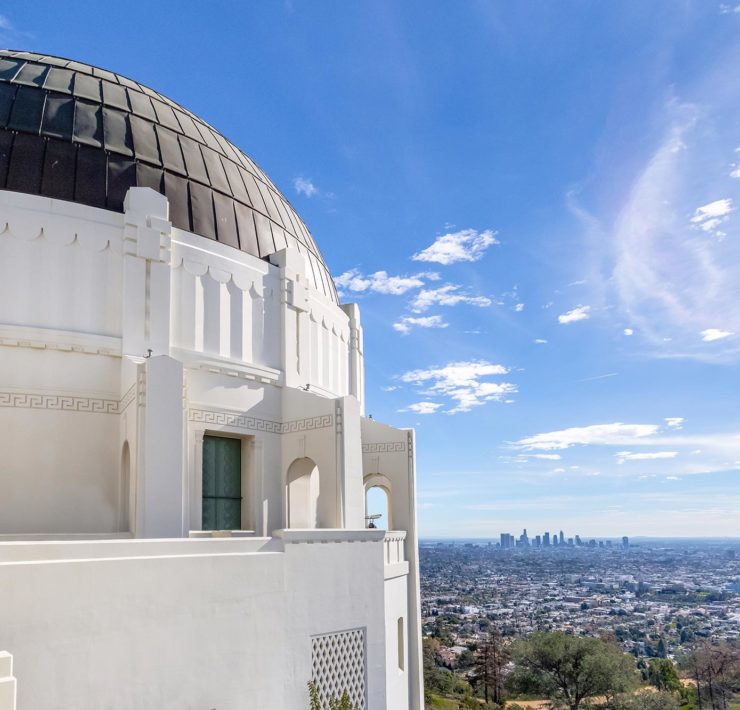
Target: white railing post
[(7, 682)]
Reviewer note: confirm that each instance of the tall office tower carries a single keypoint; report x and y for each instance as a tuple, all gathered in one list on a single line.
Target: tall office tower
[(578, 541), (625, 543), (546, 540), (562, 538)]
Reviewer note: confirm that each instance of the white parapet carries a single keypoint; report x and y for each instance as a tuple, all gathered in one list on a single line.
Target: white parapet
[(7, 682)]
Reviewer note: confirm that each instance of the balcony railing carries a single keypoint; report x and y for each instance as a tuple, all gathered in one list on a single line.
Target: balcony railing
[(394, 546)]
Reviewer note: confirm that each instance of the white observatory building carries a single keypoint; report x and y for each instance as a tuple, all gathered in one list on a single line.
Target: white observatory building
[(184, 460)]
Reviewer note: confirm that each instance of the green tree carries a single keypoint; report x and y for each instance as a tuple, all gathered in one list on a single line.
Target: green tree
[(715, 668), (663, 675), (570, 669), (488, 669)]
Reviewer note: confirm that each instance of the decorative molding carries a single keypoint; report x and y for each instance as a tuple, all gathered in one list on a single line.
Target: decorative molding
[(66, 402), (63, 402), (129, 397), (250, 423), (385, 447), (64, 341)]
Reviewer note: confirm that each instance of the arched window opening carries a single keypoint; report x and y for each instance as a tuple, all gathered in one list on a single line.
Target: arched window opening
[(124, 500), (377, 508), (303, 494)]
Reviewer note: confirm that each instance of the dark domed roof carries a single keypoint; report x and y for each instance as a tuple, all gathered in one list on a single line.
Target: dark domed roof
[(75, 132)]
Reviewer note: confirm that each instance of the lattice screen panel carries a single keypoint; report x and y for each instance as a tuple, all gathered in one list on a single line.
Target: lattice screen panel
[(338, 663)]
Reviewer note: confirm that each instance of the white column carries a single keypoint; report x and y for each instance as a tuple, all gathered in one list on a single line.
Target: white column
[(293, 316), (356, 358), (7, 682), (160, 443)]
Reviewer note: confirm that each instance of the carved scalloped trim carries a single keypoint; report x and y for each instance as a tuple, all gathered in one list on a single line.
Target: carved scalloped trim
[(57, 229)]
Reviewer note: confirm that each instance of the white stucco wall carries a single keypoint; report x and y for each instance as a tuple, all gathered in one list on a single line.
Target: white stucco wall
[(228, 629), (119, 333)]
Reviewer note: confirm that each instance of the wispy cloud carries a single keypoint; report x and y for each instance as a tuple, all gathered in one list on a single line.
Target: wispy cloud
[(613, 434), (448, 295), (381, 282), (422, 407), (578, 313), (623, 456), (406, 323), (304, 186), (674, 422), (465, 245), (654, 263), (462, 383), (540, 341), (710, 216), (711, 334)]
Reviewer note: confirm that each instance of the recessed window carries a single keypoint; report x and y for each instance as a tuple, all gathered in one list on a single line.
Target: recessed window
[(401, 645)]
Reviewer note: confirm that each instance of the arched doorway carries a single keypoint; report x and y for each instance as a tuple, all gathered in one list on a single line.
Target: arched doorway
[(378, 502), (303, 494), (124, 500)]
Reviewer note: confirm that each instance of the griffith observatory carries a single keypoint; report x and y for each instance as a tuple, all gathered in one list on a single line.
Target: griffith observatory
[(184, 455)]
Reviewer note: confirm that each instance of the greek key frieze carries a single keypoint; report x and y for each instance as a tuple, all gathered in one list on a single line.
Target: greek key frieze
[(243, 421), (385, 447), (58, 402)]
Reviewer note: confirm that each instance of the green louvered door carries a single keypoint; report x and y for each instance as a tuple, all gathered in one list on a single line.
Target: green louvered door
[(222, 483)]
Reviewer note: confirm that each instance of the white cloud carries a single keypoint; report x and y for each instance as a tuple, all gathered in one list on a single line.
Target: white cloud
[(711, 334), (462, 383), (540, 341), (389, 388), (519, 307), (599, 434), (672, 478), (6, 24), (381, 282), (710, 216), (546, 457), (408, 322), (735, 173), (422, 407), (448, 295), (578, 313), (304, 186), (675, 422), (623, 456), (465, 245), (629, 331)]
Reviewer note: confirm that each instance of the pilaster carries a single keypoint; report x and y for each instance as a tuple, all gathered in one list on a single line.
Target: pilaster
[(146, 273)]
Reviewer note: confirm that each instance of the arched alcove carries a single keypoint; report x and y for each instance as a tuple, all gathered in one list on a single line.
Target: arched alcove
[(124, 501), (303, 494), (378, 501)]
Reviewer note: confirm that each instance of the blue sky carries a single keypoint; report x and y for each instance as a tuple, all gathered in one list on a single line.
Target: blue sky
[(535, 205)]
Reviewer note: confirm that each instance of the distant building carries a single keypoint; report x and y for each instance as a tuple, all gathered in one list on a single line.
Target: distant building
[(625, 543)]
